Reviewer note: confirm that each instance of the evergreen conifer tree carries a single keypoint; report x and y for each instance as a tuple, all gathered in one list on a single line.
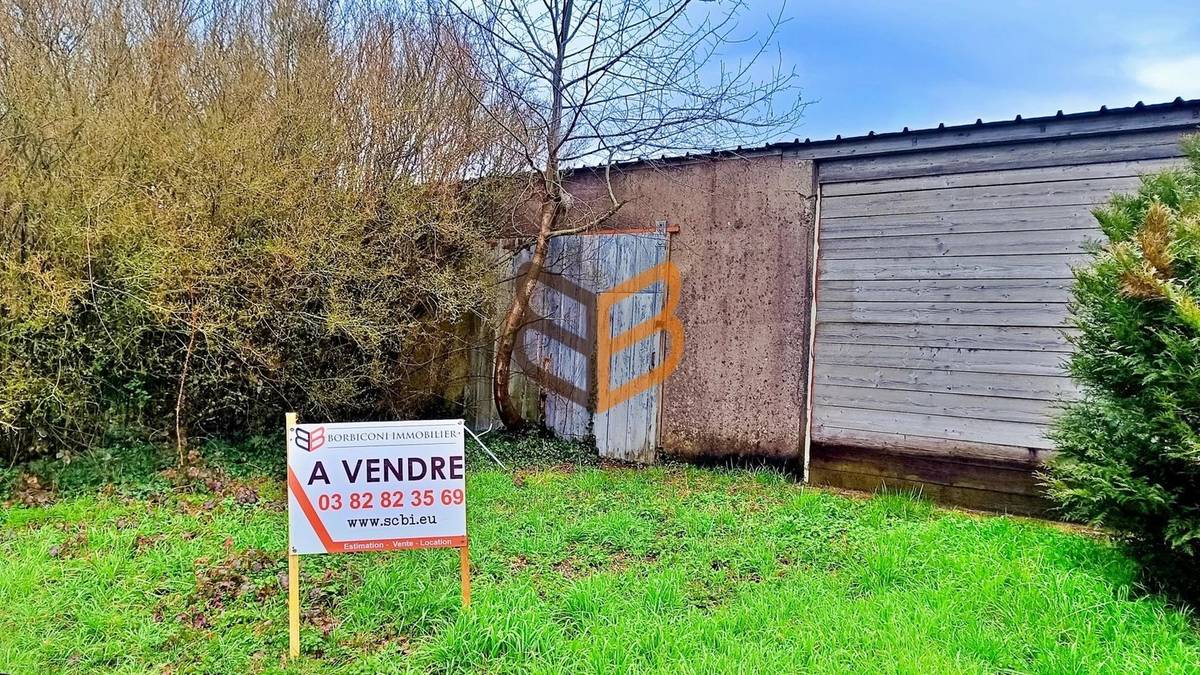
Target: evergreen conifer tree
[(1129, 448)]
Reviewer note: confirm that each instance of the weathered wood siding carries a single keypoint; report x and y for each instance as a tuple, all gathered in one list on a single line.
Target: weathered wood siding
[(943, 278), (629, 430), (554, 366)]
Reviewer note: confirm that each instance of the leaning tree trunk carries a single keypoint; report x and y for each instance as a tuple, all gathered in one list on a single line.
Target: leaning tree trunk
[(510, 414), (551, 212)]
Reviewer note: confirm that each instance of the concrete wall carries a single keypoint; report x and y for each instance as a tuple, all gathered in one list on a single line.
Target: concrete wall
[(743, 250)]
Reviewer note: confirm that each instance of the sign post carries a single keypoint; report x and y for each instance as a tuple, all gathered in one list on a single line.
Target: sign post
[(374, 486), (293, 562), (464, 565)]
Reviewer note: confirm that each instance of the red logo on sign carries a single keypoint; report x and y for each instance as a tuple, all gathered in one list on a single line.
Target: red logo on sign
[(310, 440)]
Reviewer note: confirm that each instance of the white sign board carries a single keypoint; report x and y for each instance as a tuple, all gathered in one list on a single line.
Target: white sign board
[(376, 486)]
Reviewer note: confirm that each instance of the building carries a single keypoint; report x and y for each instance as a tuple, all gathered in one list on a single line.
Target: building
[(880, 310)]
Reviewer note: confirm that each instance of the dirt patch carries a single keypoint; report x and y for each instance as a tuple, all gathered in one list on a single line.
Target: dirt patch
[(70, 547), (618, 466), (29, 491), (245, 495), (319, 603), (574, 567), (374, 643), (145, 542), (220, 583), (193, 474), (196, 477)]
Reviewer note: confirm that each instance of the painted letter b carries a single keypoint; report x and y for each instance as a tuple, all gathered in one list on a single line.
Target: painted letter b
[(608, 345)]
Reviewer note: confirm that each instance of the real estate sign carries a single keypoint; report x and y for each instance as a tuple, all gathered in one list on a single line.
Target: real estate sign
[(376, 486)]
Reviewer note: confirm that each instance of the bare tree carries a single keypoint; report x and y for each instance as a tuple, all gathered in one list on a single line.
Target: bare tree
[(599, 81)]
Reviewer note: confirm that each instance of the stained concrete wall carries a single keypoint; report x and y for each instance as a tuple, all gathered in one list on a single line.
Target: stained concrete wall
[(743, 250)]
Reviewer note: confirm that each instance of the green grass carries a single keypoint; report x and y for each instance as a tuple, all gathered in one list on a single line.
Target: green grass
[(584, 570)]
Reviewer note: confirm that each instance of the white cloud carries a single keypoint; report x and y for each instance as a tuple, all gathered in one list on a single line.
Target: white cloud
[(1166, 78)]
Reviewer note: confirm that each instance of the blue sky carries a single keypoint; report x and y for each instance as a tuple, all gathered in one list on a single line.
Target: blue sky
[(873, 65)]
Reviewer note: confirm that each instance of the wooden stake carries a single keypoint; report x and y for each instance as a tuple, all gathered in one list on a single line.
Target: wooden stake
[(293, 570), (464, 562), (293, 605)]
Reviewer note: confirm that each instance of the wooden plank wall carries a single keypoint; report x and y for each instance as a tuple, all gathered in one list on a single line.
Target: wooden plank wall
[(943, 278), (628, 431), (571, 258), (590, 263)]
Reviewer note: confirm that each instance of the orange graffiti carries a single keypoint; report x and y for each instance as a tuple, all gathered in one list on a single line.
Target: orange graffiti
[(597, 336), (581, 344), (664, 321)]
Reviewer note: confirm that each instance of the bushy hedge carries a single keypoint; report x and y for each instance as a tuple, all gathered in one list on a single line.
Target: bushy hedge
[(214, 212), (1130, 447)]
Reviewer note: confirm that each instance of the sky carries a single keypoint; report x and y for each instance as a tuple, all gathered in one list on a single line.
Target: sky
[(873, 65)]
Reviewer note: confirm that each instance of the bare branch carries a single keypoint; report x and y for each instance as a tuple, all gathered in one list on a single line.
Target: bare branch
[(593, 79)]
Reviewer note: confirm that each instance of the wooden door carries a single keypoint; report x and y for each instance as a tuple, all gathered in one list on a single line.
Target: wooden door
[(628, 428), (942, 303), (558, 350)]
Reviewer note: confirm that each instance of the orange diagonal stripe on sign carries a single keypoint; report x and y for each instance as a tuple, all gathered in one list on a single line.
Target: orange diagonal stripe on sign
[(309, 512)]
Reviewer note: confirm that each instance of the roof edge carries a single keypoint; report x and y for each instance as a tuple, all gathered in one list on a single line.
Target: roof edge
[(857, 146)]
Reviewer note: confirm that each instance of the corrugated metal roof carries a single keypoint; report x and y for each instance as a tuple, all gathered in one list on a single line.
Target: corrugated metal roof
[(942, 128)]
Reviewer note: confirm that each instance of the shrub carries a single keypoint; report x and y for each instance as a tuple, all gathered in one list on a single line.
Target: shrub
[(213, 212), (1130, 446)]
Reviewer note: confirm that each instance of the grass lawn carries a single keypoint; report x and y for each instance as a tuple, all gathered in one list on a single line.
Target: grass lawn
[(590, 570)]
